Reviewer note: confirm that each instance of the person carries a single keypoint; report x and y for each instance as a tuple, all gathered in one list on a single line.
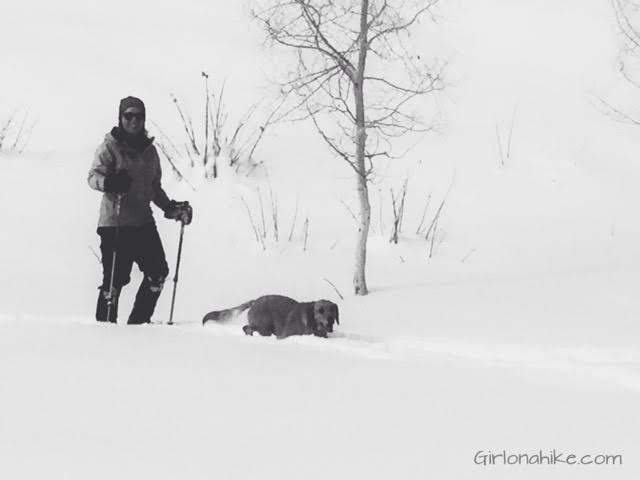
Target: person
[(127, 169)]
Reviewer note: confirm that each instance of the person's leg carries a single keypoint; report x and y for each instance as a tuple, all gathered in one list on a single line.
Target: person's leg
[(150, 257), (124, 262)]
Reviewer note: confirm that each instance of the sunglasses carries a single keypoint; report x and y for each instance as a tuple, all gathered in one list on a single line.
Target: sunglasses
[(128, 116)]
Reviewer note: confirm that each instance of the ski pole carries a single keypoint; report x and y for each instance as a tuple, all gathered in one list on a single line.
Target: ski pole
[(113, 257), (175, 277)]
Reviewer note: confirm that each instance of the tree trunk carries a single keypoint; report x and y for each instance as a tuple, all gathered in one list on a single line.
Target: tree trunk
[(359, 277)]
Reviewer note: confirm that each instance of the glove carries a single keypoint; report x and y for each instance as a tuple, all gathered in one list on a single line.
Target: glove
[(118, 182), (180, 211)]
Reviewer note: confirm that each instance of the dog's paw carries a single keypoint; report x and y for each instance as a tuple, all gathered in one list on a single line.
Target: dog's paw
[(247, 330)]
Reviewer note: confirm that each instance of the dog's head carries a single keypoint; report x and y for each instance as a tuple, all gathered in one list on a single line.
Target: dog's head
[(325, 314)]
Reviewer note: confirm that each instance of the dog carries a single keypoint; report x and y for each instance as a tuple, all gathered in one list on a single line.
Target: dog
[(282, 316)]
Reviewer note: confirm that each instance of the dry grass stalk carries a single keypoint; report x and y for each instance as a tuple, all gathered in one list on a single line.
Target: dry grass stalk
[(260, 235), (398, 212), (22, 136), (305, 234), (274, 213), (295, 216), (433, 237), (334, 287), (421, 226)]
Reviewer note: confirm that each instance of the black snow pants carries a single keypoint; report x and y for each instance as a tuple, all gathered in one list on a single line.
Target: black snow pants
[(141, 245)]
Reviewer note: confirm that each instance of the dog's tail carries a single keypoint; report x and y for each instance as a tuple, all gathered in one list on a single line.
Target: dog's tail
[(222, 316)]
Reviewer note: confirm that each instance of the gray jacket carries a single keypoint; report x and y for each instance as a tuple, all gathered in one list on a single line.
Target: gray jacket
[(144, 169)]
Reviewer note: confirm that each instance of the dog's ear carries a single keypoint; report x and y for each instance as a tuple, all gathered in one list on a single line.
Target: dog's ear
[(312, 323), (337, 312)]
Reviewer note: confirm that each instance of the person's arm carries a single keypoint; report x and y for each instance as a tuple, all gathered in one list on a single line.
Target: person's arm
[(102, 176), (180, 211), (103, 164), (160, 197)]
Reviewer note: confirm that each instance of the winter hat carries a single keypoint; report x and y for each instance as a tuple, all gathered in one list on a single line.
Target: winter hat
[(129, 102)]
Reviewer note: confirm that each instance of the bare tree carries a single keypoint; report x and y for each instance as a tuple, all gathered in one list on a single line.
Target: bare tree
[(627, 14), (357, 77)]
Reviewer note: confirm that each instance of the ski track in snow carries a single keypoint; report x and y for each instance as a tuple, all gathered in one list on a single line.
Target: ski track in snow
[(613, 366), (620, 367)]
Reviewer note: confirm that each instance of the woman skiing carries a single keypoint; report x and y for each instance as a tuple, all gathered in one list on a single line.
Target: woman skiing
[(127, 169)]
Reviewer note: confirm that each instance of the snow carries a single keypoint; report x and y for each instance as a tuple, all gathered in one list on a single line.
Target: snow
[(519, 334)]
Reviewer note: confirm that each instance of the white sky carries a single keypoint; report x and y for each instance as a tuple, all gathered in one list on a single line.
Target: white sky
[(69, 62)]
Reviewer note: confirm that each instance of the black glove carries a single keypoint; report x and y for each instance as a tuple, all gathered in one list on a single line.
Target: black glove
[(180, 211), (118, 182)]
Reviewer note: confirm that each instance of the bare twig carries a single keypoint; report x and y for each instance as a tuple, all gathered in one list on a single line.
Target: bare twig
[(5, 129), (398, 212), (305, 234), (295, 216), (433, 237), (626, 14), (18, 136), (353, 215), (616, 113), (20, 139), (259, 237), (334, 287), (274, 213), (175, 169), (439, 211), (95, 254), (271, 119), (205, 156), (262, 217), (187, 124), (420, 229), (464, 259), (25, 137)]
